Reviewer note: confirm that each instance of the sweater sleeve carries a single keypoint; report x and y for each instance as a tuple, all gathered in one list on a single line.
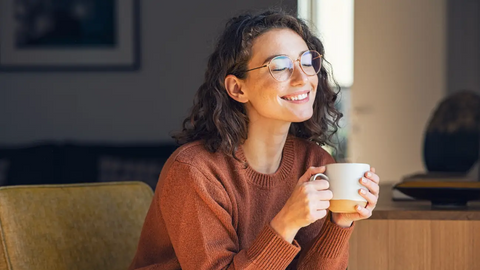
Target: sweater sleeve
[(328, 250), (198, 217)]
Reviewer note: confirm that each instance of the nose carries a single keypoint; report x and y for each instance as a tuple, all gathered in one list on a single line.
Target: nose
[(298, 77)]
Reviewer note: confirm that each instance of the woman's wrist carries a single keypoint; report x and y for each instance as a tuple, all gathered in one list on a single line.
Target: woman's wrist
[(282, 228)]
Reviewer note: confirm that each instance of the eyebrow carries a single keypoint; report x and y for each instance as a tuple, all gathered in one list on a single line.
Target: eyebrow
[(273, 56)]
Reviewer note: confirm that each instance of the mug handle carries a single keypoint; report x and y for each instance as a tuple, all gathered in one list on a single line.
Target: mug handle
[(318, 176)]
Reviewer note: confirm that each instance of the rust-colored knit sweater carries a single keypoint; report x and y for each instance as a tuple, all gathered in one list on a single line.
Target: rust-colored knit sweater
[(211, 211)]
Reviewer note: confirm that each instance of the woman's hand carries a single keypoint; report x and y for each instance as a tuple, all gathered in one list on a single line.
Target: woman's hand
[(370, 193), (308, 203)]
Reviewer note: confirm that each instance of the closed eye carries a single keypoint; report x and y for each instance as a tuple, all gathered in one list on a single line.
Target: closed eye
[(279, 69)]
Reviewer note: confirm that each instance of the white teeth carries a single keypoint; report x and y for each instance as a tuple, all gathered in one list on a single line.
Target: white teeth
[(295, 98)]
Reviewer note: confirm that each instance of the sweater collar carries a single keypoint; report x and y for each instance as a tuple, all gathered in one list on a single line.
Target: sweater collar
[(282, 173)]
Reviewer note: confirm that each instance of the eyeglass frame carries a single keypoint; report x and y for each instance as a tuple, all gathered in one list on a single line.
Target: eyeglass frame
[(293, 69)]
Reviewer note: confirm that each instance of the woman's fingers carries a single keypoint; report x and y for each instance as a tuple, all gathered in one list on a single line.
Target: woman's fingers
[(319, 196), (371, 199), (372, 176), (310, 171), (325, 195), (320, 184), (322, 205), (364, 212), (370, 185), (319, 214)]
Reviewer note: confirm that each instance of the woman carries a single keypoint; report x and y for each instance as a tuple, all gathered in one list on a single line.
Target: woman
[(236, 194)]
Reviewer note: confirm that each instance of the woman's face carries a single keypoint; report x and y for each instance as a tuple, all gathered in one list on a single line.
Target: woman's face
[(286, 101)]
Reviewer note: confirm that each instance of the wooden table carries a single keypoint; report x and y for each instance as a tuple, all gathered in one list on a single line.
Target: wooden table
[(410, 235)]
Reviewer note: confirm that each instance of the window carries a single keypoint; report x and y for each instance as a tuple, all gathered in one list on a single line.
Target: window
[(332, 21)]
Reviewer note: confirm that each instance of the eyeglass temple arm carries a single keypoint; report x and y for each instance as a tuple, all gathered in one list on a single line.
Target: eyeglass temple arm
[(256, 68)]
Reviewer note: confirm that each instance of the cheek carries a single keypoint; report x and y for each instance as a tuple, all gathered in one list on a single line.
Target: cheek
[(315, 88), (269, 91), (314, 82)]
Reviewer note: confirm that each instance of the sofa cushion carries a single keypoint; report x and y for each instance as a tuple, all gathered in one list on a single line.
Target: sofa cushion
[(80, 226)]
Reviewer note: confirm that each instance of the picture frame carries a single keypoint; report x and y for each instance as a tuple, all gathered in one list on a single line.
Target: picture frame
[(69, 35)]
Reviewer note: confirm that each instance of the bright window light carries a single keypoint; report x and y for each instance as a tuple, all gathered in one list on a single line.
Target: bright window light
[(333, 22)]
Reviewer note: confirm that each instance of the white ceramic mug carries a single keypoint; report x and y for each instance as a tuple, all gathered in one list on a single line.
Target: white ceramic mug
[(344, 180)]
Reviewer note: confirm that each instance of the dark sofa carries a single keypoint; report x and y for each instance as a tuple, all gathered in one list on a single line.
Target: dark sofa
[(60, 163)]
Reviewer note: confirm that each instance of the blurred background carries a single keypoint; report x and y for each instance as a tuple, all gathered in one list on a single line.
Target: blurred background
[(99, 103)]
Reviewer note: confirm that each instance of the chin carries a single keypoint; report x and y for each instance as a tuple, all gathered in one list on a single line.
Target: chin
[(301, 118)]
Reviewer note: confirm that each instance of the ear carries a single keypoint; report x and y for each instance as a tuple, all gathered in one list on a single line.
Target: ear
[(233, 85)]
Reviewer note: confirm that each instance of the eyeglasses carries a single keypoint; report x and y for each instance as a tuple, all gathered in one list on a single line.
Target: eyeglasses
[(281, 67)]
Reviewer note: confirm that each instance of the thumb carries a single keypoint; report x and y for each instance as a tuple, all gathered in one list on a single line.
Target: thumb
[(311, 171)]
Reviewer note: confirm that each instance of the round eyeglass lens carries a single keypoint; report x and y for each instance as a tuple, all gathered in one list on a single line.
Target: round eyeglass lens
[(281, 67), (311, 62)]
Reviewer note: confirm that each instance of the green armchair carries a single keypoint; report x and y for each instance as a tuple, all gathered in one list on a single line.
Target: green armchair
[(73, 226)]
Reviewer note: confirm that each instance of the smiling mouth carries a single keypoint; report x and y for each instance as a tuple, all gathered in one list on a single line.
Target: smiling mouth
[(299, 97)]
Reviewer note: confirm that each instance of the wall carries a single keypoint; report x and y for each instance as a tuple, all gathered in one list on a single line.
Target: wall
[(463, 45), (400, 76), (177, 37)]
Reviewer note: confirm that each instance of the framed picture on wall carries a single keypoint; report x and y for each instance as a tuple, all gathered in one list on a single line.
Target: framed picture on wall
[(69, 35)]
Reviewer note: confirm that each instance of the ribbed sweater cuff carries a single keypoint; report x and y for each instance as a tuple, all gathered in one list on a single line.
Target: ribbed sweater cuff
[(332, 239), (271, 251)]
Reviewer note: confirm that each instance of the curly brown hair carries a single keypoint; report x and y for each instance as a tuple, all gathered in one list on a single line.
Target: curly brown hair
[(220, 121)]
